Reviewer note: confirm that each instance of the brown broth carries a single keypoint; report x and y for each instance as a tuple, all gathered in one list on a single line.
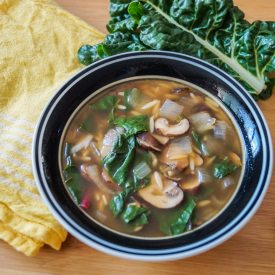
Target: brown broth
[(211, 197)]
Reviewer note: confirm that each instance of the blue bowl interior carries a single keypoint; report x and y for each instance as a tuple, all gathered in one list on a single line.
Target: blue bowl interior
[(92, 78)]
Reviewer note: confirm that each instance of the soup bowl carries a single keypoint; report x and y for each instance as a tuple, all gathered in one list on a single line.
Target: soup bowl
[(249, 121)]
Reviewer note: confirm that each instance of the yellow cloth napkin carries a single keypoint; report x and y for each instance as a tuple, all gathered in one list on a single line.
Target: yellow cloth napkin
[(38, 45)]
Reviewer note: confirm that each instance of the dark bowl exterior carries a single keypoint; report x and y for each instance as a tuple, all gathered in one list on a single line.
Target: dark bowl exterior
[(258, 153)]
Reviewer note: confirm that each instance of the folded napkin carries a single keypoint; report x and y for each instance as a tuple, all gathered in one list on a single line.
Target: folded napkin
[(38, 45)]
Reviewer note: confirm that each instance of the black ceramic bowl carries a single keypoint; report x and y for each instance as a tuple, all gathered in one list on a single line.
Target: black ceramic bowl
[(247, 116)]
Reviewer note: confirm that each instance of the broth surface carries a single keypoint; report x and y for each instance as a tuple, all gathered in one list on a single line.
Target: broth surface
[(151, 158)]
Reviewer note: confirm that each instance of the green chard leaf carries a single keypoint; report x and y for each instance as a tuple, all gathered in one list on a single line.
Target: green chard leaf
[(136, 10), (176, 223), (135, 214), (88, 125), (73, 186), (106, 104), (114, 43), (224, 168), (131, 97), (117, 203), (179, 226), (119, 161), (125, 158), (213, 30), (71, 174), (133, 124)]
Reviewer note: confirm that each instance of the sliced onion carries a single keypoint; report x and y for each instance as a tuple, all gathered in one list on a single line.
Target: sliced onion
[(92, 174), (142, 170), (83, 144), (170, 110), (227, 182), (221, 130), (202, 121), (179, 148), (110, 139), (204, 176)]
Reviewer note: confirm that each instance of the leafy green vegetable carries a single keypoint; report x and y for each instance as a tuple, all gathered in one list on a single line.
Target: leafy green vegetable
[(179, 226), (117, 203), (176, 222), (141, 220), (133, 125), (213, 30), (136, 11), (124, 158), (88, 125), (201, 146), (224, 168), (119, 161), (114, 43), (72, 184), (106, 104), (131, 97), (71, 174), (136, 214)]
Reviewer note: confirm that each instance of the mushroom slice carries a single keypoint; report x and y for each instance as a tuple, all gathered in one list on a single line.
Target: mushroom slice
[(161, 139), (179, 163), (170, 196), (162, 124), (170, 172), (92, 174), (190, 184), (148, 142)]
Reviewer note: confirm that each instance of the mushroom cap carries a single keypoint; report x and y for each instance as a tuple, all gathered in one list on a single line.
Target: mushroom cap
[(190, 184), (170, 196), (148, 142), (162, 124)]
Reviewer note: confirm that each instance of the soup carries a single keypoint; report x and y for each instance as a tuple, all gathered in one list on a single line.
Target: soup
[(151, 158)]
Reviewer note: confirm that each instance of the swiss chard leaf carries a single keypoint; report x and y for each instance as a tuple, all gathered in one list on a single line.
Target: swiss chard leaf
[(176, 223), (179, 226), (88, 125), (136, 214), (117, 203), (224, 168), (136, 10), (114, 43), (134, 124), (106, 104), (119, 161), (131, 97), (73, 186), (71, 175), (213, 30)]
